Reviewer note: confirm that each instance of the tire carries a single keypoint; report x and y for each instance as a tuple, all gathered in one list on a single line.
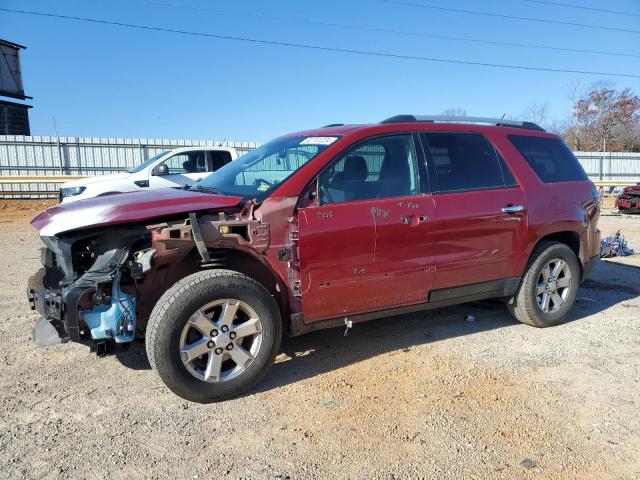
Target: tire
[(172, 321), (525, 305)]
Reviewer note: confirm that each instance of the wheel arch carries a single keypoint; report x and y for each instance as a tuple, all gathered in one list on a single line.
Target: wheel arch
[(257, 269), (569, 238), (222, 258)]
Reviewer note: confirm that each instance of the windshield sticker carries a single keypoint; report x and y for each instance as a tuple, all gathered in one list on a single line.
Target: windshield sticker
[(263, 187), (318, 140)]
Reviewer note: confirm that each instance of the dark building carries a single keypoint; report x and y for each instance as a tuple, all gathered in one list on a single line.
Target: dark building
[(14, 117)]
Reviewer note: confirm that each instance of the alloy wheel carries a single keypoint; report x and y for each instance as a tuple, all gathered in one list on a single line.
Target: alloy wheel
[(553, 285), (220, 340)]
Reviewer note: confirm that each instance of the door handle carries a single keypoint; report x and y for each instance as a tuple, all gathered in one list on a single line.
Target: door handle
[(513, 209)]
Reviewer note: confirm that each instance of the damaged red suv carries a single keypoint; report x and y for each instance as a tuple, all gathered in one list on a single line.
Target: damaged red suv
[(629, 200), (319, 229)]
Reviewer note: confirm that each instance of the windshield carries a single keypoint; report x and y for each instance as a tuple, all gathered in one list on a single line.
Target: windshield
[(260, 171), (146, 163)]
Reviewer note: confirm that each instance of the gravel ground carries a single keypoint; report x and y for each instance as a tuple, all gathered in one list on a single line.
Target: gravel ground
[(427, 395)]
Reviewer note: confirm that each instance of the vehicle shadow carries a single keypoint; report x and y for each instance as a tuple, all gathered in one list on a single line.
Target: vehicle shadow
[(323, 351), (134, 357)]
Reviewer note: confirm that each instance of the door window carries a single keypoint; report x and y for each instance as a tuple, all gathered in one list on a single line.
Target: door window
[(380, 168), (463, 161), (187, 162), (219, 159)]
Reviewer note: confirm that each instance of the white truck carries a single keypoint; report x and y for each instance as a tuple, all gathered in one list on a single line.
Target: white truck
[(175, 168)]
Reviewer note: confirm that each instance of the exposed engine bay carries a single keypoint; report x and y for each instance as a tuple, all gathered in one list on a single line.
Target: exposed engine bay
[(86, 289), (99, 286)]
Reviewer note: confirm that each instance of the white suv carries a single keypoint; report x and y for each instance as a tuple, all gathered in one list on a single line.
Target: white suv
[(175, 168)]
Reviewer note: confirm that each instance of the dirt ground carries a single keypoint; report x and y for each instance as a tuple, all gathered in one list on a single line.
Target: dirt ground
[(426, 395)]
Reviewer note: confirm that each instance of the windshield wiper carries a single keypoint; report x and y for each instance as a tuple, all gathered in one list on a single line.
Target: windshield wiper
[(212, 190)]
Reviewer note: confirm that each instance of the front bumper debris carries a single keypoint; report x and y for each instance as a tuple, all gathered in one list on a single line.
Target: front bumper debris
[(45, 334), (50, 307)]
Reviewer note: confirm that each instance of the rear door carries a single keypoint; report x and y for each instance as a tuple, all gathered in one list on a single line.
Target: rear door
[(368, 243), (481, 215)]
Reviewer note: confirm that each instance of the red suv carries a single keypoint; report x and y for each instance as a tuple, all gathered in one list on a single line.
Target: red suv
[(629, 200), (319, 229)]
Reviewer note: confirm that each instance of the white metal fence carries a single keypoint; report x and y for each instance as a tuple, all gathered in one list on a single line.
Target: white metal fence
[(36, 156), (79, 156), (610, 166)]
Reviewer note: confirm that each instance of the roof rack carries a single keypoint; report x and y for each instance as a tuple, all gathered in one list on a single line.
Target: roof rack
[(499, 122)]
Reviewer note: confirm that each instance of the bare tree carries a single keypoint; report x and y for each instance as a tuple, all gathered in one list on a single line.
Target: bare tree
[(536, 113), (573, 133), (454, 112), (605, 119)]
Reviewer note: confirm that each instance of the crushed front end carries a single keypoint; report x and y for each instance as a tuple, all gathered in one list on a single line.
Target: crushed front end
[(86, 288), (629, 200)]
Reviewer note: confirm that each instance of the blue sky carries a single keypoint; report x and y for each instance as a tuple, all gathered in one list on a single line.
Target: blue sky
[(107, 81)]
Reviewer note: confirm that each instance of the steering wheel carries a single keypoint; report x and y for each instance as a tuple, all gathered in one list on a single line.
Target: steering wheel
[(325, 195), (259, 181)]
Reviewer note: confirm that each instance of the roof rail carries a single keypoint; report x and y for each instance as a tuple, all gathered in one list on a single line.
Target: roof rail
[(499, 122), (334, 125)]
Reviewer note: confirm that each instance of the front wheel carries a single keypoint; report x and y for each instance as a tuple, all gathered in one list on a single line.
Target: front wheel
[(213, 335), (549, 286)]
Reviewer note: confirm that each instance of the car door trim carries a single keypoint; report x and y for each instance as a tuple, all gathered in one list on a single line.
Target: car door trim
[(504, 287), (445, 297)]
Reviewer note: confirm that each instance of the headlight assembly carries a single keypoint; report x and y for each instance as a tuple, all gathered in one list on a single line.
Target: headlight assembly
[(71, 191)]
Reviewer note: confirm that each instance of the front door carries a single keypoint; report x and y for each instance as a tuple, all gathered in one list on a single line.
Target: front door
[(186, 168), (481, 216), (367, 244)]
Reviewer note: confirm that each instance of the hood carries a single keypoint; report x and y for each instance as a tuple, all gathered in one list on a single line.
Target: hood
[(83, 182), (126, 208)]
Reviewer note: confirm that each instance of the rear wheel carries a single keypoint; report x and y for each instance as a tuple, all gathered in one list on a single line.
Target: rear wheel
[(549, 287), (214, 335)]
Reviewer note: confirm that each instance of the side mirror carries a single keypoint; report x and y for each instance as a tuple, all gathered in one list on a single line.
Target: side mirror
[(310, 197), (160, 170)]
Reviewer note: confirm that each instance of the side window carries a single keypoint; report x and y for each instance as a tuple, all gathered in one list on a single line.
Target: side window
[(550, 158), (219, 159), (380, 168), (188, 162), (463, 161)]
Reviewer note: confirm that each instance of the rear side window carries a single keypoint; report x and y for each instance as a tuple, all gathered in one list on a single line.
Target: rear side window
[(550, 158), (219, 158), (464, 162)]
